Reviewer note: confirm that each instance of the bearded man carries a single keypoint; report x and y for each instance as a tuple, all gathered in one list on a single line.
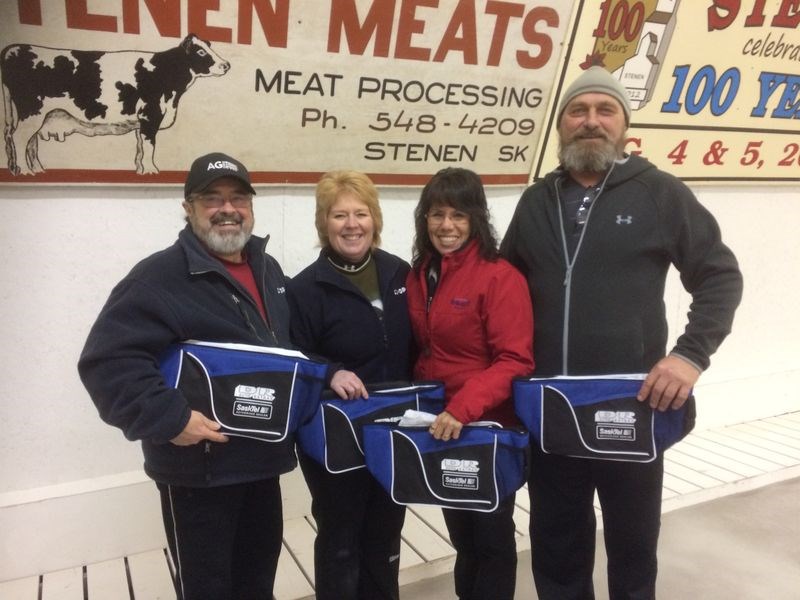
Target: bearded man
[(595, 239), (220, 495)]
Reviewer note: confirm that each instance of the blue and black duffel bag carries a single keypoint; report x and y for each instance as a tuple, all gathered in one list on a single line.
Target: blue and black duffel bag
[(480, 469), (333, 437), (598, 417), (251, 391)]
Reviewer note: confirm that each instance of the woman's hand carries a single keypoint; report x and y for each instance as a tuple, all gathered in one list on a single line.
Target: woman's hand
[(446, 427)]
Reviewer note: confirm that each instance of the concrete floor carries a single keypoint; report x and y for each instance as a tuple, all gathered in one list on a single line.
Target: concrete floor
[(740, 547)]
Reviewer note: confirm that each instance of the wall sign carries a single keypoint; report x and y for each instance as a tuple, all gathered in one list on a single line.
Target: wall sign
[(130, 91), (714, 85)]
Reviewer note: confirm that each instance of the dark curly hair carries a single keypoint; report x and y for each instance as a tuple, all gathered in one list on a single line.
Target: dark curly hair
[(462, 190)]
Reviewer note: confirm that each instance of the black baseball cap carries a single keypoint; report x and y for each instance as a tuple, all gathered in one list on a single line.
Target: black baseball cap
[(209, 168)]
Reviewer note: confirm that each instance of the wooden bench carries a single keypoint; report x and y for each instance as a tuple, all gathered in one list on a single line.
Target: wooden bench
[(706, 465)]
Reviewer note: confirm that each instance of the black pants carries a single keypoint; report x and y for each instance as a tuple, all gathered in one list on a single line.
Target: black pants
[(563, 525), (225, 541), (357, 549), (486, 552)]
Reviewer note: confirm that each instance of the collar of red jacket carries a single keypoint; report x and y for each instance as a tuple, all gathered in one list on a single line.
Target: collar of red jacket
[(454, 260)]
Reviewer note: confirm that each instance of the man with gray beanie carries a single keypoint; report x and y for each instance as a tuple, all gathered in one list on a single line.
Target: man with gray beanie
[(220, 494), (595, 239)]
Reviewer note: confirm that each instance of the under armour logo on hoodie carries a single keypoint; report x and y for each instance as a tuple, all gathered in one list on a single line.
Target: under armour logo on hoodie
[(628, 220)]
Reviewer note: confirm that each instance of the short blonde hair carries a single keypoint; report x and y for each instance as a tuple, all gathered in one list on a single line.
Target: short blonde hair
[(332, 185)]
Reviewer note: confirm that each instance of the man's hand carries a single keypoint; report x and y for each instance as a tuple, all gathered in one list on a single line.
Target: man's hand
[(445, 427), (348, 386), (199, 428), (669, 383)]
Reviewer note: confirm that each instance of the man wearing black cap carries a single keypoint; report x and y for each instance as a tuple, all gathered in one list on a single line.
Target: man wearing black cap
[(220, 495), (595, 239)]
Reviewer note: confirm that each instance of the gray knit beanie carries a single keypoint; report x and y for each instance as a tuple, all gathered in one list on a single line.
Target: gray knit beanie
[(596, 79)]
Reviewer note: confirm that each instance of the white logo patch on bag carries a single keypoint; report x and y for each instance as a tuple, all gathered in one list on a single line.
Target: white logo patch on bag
[(254, 402), (615, 425), (460, 474), (255, 410)]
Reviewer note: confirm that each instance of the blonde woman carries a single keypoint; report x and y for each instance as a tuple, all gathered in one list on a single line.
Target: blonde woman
[(349, 306)]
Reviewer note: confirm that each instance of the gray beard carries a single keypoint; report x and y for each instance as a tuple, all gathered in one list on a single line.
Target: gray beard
[(227, 244), (580, 157)]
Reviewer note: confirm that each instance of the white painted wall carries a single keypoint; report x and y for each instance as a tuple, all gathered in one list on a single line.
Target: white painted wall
[(71, 487)]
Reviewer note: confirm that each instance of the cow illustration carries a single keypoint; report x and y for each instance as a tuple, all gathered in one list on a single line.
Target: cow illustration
[(52, 93)]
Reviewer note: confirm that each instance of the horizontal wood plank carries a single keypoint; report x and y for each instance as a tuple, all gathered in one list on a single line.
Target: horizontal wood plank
[(299, 536), (667, 493), (290, 580), (700, 479), (150, 576), (433, 517), (26, 588), (690, 448), (409, 557), (760, 440), (678, 485), (790, 426), (742, 445), (107, 580), (741, 457), (777, 432), (522, 499), (425, 541), (522, 521), (691, 461), (63, 585)]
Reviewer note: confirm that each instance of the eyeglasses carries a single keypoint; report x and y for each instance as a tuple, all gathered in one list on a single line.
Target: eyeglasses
[(218, 200), (437, 217), (582, 214)]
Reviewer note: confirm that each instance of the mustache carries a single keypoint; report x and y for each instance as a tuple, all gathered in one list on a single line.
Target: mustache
[(590, 134), (229, 218)]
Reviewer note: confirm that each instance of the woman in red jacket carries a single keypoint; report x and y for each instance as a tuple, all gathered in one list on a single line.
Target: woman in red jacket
[(472, 320)]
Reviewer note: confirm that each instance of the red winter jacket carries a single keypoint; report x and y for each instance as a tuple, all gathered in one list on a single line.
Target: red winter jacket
[(477, 334)]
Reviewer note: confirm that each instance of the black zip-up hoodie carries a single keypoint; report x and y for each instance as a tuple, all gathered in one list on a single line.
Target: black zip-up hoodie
[(603, 311), (177, 294)]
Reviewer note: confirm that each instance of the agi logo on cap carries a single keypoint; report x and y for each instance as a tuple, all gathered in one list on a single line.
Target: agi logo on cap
[(210, 167), (222, 164)]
